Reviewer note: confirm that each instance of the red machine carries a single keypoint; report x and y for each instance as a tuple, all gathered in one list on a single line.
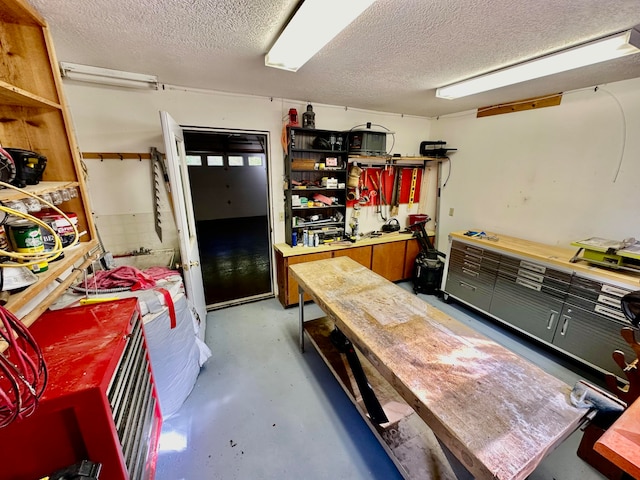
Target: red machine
[(100, 403)]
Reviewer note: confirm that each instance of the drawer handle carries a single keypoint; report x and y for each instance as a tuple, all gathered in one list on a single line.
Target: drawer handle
[(607, 312), (470, 273), (528, 284), (530, 275), (612, 302), (533, 266), (466, 285), (473, 258), (552, 319), (618, 292), (475, 266), (474, 251), (565, 324)]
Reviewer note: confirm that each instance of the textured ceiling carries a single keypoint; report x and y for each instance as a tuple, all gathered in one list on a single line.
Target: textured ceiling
[(390, 59)]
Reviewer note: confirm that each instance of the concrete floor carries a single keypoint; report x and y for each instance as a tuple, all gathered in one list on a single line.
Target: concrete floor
[(263, 410)]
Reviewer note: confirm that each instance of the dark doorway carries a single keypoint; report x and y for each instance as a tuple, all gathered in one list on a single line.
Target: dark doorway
[(229, 187)]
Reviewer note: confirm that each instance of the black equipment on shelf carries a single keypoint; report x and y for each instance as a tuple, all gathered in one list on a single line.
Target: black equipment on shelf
[(29, 166), (435, 149)]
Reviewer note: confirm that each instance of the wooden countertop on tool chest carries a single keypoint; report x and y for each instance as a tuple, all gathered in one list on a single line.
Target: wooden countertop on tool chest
[(496, 412), (551, 255)]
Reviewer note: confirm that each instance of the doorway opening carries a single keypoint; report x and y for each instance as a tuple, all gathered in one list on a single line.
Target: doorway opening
[(228, 173)]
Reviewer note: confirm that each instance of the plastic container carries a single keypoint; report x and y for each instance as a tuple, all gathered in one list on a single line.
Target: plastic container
[(416, 217)]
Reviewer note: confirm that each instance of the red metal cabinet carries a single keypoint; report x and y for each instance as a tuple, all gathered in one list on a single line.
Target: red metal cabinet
[(100, 403)]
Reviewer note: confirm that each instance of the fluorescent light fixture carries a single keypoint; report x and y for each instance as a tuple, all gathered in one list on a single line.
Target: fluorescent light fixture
[(608, 48), (106, 76), (312, 26)]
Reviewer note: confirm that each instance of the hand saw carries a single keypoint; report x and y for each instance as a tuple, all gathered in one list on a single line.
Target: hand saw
[(159, 168)]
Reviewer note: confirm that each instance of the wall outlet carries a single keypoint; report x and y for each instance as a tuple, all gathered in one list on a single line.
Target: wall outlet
[(451, 212)]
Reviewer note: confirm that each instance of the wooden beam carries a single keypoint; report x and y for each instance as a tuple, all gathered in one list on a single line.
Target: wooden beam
[(115, 156), (520, 105)]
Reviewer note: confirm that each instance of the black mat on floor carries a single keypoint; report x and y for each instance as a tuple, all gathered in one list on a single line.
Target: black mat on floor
[(235, 258)]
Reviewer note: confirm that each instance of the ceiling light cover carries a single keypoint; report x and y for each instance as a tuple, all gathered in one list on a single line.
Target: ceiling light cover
[(313, 25), (106, 76), (607, 48)]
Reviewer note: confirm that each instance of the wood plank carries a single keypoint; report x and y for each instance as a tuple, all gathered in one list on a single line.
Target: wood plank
[(41, 188), (115, 156), (20, 11), (497, 413), (289, 251), (406, 438), (25, 62), (11, 95), (20, 299), (520, 105)]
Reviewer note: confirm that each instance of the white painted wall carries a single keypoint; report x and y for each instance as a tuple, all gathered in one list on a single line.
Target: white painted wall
[(110, 119), (547, 175)]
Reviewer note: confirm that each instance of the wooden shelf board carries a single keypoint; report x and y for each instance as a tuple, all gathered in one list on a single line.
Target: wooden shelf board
[(398, 161), (335, 205), (12, 95), (7, 194), (22, 12), (19, 300)]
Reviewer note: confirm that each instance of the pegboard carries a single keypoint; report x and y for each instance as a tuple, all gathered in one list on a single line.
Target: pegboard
[(381, 180)]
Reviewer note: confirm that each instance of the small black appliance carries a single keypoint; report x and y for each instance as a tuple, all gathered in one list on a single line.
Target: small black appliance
[(435, 149), (29, 166), (7, 167)]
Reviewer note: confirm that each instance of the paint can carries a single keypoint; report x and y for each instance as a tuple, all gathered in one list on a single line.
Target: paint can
[(61, 226), (4, 241), (25, 237)]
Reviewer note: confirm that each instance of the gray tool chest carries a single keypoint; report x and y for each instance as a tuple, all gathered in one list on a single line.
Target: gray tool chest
[(472, 274), (529, 295), (575, 313)]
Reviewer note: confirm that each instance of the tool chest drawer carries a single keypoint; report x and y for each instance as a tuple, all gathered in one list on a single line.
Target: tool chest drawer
[(531, 273), (472, 274), (599, 297), (473, 253)]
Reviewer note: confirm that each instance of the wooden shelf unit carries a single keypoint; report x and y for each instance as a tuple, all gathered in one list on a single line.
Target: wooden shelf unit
[(34, 116)]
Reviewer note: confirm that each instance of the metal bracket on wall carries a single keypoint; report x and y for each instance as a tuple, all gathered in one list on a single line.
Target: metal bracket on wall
[(159, 169)]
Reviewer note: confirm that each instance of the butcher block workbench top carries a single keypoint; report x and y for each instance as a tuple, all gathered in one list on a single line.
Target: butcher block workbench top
[(558, 256), (497, 413), (288, 250)]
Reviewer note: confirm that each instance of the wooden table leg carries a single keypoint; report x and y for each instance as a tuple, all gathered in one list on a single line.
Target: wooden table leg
[(301, 317)]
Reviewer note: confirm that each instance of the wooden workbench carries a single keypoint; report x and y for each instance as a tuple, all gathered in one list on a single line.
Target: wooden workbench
[(496, 412)]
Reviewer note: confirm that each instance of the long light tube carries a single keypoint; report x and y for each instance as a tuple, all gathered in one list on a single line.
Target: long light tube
[(313, 25), (106, 76), (608, 48)]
